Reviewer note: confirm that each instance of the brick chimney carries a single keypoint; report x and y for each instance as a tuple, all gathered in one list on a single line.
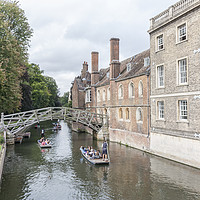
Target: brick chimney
[(114, 58), (94, 68), (84, 70)]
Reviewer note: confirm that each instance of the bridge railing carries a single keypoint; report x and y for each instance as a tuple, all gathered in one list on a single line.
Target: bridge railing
[(18, 121)]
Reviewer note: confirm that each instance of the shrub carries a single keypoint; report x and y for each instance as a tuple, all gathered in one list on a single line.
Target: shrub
[(1, 139)]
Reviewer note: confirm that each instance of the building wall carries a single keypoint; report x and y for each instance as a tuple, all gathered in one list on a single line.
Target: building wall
[(173, 137), (172, 91), (130, 131), (78, 97), (75, 95)]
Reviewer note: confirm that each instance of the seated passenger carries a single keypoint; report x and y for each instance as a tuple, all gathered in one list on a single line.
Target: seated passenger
[(97, 154), (46, 141)]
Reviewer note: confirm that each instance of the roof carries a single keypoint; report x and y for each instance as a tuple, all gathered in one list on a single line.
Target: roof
[(137, 68)]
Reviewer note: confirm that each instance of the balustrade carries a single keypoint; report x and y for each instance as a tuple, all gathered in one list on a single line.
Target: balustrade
[(172, 11)]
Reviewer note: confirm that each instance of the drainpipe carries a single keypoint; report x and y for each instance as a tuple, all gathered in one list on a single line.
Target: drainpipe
[(148, 104)]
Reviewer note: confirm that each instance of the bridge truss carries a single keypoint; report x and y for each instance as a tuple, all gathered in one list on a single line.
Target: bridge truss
[(17, 122)]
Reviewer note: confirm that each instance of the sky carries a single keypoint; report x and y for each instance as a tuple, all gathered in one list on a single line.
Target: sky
[(65, 32)]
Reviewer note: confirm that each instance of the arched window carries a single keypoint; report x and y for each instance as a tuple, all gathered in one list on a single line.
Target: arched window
[(140, 89), (98, 95), (108, 113), (139, 116), (127, 114), (131, 90), (120, 92), (108, 94), (120, 113), (105, 111), (104, 95)]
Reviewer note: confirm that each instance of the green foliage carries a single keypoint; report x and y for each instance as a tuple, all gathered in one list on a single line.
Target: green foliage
[(1, 139), (65, 100), (44, 90), (53, 90), (15, 34)]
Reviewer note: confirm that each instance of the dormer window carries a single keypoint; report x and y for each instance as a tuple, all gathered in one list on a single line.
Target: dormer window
[(128, 67), (146, 61)]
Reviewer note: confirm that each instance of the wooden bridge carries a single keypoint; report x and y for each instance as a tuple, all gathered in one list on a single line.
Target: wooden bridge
[(17, 122)]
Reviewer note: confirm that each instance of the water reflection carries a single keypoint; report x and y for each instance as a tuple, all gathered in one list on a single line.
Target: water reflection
[(61, 172)]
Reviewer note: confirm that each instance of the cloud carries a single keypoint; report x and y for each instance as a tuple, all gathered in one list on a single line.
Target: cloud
[(66, 32)]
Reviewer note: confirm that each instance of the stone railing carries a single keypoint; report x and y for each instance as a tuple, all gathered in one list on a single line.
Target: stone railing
[(172, 11)]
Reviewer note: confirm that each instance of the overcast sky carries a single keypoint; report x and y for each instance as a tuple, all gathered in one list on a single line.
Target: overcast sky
[(67, 31)]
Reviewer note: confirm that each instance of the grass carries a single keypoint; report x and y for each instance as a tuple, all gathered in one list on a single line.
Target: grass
[(0, 147)]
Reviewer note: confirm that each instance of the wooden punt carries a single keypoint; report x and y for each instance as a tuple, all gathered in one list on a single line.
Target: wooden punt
[(95, 161), (44, 146)]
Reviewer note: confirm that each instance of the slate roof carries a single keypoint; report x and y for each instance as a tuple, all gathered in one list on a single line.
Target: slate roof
[(137, 69)]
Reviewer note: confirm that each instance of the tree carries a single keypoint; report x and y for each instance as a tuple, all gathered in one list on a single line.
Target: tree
[(65, 100), (53, 90), (39, 91), (26, 102), (15, 34), (44, 90)]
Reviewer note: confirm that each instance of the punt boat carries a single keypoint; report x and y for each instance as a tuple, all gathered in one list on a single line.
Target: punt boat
[(43, 146), (94, 161)]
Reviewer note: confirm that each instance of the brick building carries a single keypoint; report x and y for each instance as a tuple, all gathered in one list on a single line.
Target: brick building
[(78, 87), (122, 92)]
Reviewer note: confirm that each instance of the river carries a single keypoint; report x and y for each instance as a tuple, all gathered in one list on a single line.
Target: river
[(61, 173)]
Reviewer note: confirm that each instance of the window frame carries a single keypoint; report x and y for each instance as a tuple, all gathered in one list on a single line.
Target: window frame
[(120, 115), (98, 95), (158, 110), (120, 92), (158, 77), (178, 40), (179, 78), (140, 88), (131, 90), (139, 112), (180, 110), (88, 97), (108, 93), (157, 42), (127, 114), (104, 95)]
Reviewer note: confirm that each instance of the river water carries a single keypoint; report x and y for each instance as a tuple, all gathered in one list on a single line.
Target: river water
[(61, 173)]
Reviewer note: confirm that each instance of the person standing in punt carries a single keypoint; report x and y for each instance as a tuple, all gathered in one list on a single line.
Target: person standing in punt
[(104, 152)]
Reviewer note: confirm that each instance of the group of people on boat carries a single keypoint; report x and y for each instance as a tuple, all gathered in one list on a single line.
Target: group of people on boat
[(89, 152), (44, 141), (57, 125)]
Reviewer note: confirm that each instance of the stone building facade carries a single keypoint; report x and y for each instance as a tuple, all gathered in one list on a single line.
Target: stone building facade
[(175, 82)]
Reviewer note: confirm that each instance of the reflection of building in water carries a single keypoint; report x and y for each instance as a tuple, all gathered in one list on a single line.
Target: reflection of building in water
[(175, 176)]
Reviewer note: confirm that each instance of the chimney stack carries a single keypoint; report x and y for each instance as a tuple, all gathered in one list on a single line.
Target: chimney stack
[(114, 50), (114, 58), (84, 70), (94, 67)]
